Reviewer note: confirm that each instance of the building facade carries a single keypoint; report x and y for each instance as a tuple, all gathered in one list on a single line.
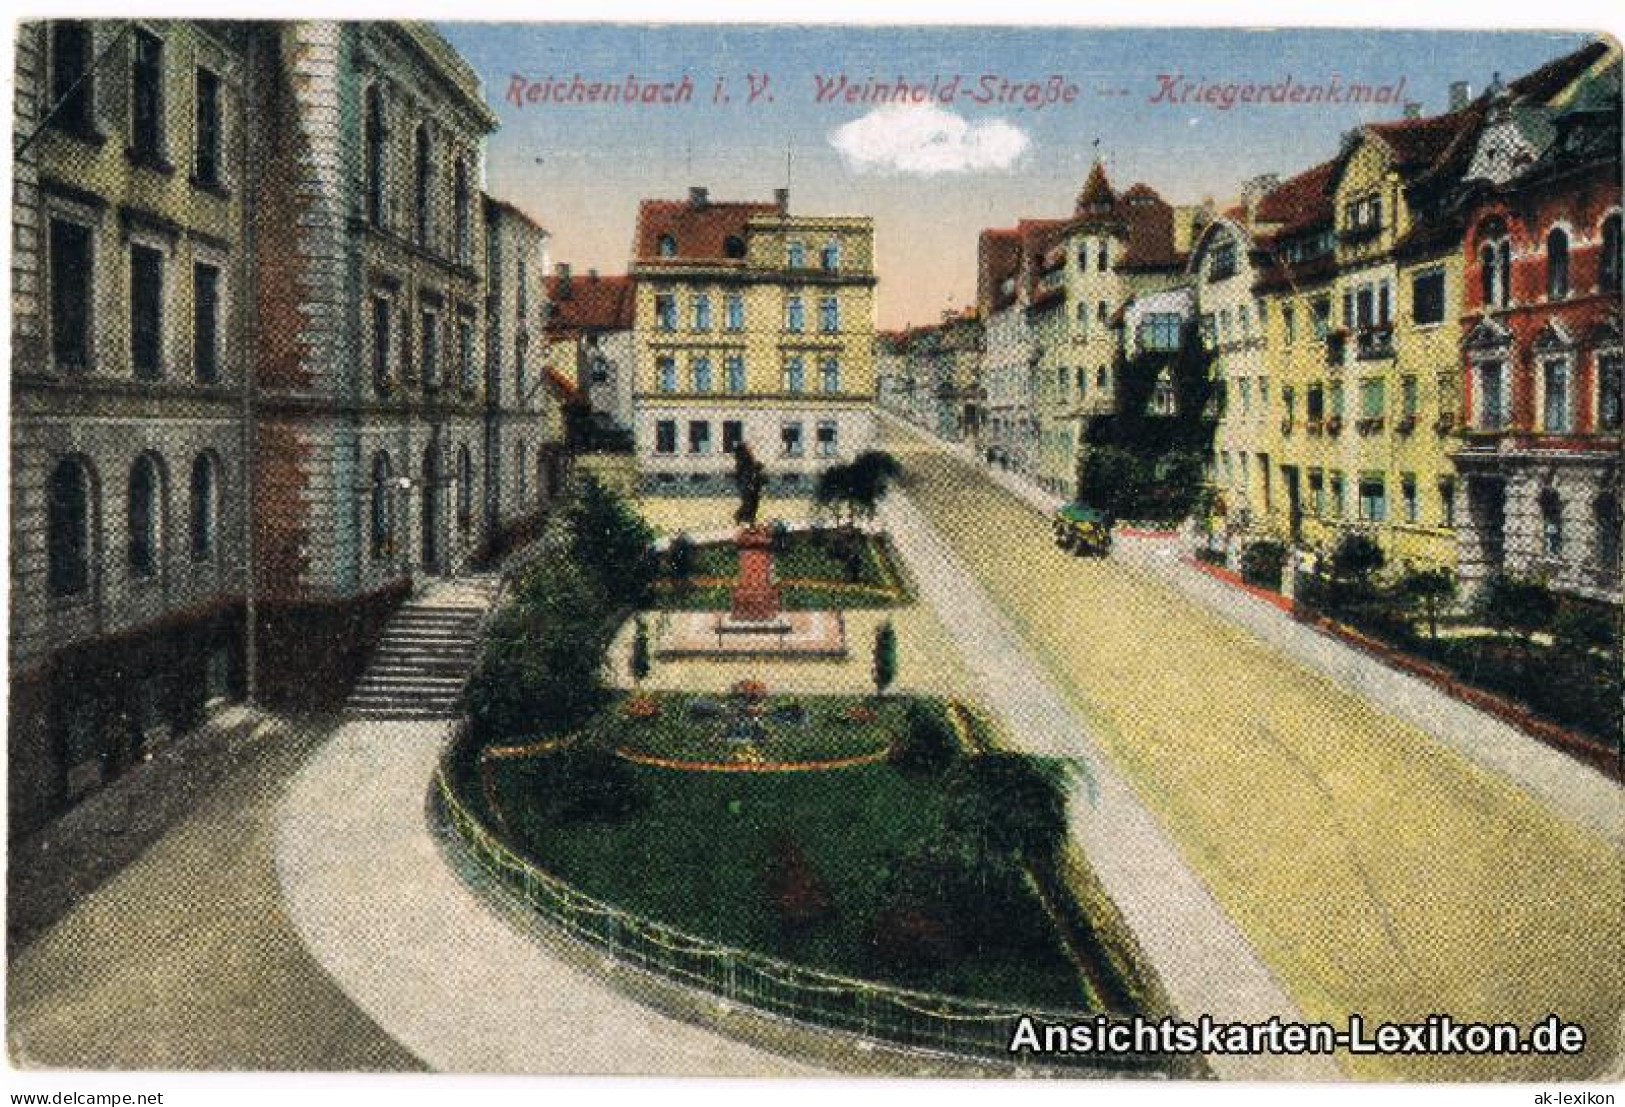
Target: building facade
[(752, 325), (1541, 360), (931, 376), (589, 338)]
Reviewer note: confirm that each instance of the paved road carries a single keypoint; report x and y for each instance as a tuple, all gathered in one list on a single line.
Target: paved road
[(186, 960), (1374, 869)]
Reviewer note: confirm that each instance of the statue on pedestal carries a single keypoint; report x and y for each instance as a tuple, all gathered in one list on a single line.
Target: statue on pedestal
[(750, 477)]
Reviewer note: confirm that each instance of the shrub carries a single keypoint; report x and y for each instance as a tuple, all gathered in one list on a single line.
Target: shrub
[(1516, 606), (885, 657), (1262, 562), (1006, 805), (797, 892), (587, 784), (1357, 558), (926, 745), (1581, 627), (909, 940), (680, 558), (639, 661), (613, 543)]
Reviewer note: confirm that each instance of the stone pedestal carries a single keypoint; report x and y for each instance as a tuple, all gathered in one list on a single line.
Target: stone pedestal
[(755, 597)]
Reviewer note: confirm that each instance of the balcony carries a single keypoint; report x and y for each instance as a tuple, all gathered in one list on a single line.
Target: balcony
[(1375, 342)]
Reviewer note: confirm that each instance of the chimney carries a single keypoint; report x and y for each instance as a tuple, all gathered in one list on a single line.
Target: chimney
[(1460, 93), (562, 271), (1413, 110), (592, 275), (699, 197), (781, 197)]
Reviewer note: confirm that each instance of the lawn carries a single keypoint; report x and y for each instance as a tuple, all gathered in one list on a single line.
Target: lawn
[(810, 572), (692, 727), (700, 849)]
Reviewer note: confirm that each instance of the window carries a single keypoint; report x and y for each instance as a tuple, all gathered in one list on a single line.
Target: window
[(826, 438), (1083, 256), (1551, 523), (1407, 397), (1289, 402), (1491, 410), (146, 311), (1364, 214), (666, 369), (1103, 256), (701, 370), (71, 284), (207, 136), (795, 375), (465, 488), (72, 80), (1100, 377), (1223, 264), (1335, 494), (1210, 328), (1162, 394), (666, 246), (1373, 499), (733, 435), (1407, 493), (382, 506), (829, 314), (1610, 392), (1427, 297), (206, 322), (1264, 396), (465, 352), (1320, 313), (1372, 398), (790, 437), (734, 367), (1289, 323), (1337, 400), (1555, 381), (145, 515), (1159, 331), (829, 258), (69, 517), (666, 436), (794, 315), (376, 140), (380, 343), (699, 437), (1317, 492), (1315, 404), (733, 247), (665, 311), (829, 372), (1100, 312), (1447, 501), (1605, 517), (147, 98), (204, 505), (429, 360), (462, 222), (702, 312), (795, 255), (1246, 393), (422, 194), (1613, 255), (735, 309), (1557, 264)]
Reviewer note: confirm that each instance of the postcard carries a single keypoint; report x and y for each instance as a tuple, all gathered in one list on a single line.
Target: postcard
[(815, 550)]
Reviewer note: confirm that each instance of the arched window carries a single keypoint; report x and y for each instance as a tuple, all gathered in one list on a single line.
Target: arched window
[(465, 488), (376, 141), (146, 511), (460, 213), (1613, 254), (666, 247), (69, 516), (425, 182), (1605, 515), (1551, 523), (383, 506), (205, 505), (1557, 264), (1503, 271), (1487, 286)]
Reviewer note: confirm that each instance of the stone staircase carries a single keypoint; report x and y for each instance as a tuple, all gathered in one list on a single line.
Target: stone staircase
[(426, 653)]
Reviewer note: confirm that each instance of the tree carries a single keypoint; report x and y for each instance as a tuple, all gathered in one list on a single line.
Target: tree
[(613, 543), (640, 652), (870, 476), (1113, 480), (1430, 590), (885, 657), (1356, 559), (1518, 607), (1007, 805), (1581, 628), (926, 745)]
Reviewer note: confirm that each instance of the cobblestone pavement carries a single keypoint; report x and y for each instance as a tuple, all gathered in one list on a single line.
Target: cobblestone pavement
[(1374, 868), (182, 957)]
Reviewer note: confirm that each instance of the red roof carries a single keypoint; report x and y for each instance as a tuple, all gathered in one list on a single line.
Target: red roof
[(1300, 201), (592, 303), (1097, 191), (698, 230)]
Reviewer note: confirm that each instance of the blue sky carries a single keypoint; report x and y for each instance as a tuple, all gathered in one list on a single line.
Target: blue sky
[(581, 169)]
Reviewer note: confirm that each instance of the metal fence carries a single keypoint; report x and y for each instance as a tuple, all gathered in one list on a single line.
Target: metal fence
[(971, 1029)]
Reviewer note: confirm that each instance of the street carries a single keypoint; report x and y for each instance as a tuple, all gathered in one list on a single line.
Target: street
[(1374, 869)]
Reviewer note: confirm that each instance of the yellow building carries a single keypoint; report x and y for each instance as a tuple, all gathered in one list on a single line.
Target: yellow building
[(751, 325), (1358, 268)]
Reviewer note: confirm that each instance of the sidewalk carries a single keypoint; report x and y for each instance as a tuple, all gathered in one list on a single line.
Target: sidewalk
[(1203, 960)]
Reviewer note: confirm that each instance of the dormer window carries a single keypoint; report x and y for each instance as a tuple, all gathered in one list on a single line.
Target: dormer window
[(733, 247), (666, 246), (1363, 215)]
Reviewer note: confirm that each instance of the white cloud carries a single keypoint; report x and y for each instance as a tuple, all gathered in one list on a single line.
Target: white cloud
[(924, 140)]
